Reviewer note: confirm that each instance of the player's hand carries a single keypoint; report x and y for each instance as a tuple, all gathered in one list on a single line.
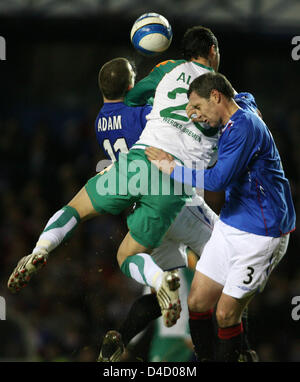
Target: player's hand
[(25, 268), (162, 160), (191, 113)]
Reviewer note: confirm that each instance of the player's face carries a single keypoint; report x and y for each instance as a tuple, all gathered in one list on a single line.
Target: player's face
[(207, 110)]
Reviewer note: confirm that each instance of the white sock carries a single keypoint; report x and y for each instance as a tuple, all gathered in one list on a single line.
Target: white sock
[(58, 229), (142, 268)]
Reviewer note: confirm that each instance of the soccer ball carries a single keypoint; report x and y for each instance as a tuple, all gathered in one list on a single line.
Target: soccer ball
[(151, 34)]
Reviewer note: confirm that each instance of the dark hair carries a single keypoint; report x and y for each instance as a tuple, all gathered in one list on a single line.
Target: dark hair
[(197, 42), (114, 78), (204, 84)]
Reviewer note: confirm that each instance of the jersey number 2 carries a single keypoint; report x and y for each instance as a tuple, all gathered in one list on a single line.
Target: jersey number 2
[(172, 112)]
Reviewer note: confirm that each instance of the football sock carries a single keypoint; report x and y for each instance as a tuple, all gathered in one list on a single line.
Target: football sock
[(142, 268), (58, 229), (229, 346), (202, 333), (142, 312)]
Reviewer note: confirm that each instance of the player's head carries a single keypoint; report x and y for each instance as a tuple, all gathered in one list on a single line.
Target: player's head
[(115, 78), (200, 41), (208, 94)]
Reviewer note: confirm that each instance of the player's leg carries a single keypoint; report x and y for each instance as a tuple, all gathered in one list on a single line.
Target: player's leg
[(133, 261), (229, 346), (146, 308), (250, 261), (58, 229), (100, 195), (148, 224), (83, 205), (204, 218), (136, 263), (250, 355), (202, 299), (95, 198), (143, 311), (167, 256)]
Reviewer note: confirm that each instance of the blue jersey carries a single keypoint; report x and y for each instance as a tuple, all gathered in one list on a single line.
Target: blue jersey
[(119, 126), (258, 195)]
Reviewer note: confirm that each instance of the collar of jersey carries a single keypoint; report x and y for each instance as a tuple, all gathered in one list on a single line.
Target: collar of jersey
[(112, 103), (203, 66), (231, 120)]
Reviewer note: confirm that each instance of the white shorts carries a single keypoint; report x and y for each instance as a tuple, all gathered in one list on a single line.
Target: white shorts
[(240, 261), (192, 228)]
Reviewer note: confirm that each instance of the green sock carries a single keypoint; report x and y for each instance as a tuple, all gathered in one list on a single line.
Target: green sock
[(143, 269), (58, 229)]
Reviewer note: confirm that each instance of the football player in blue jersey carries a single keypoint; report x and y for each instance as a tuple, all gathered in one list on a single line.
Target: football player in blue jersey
[(252, 233), (117, 125)]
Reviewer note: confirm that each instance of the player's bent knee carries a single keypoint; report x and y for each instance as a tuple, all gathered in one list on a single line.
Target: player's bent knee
[(196, 304), (129, 247), (83, 205), (193, 304), (204, 293), (227, 317)]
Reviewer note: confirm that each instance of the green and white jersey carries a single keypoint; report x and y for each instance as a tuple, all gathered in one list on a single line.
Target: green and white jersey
[(168, 126)]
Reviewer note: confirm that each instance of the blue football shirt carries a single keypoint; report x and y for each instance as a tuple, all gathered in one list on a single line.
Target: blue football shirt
[(119, 126), (249, 169)]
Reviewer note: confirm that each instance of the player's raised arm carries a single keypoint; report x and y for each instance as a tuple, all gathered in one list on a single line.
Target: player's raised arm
[(145, 88)]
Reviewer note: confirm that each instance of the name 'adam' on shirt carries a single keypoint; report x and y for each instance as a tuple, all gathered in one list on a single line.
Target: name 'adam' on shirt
[(110, 123)]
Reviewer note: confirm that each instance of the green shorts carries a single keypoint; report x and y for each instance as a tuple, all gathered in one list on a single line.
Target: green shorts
[(133, 180)]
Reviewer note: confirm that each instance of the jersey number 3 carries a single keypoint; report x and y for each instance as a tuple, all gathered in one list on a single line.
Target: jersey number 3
[(250, 275)]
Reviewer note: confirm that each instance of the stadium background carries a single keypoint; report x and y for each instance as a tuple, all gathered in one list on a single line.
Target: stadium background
[(48, 103)]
